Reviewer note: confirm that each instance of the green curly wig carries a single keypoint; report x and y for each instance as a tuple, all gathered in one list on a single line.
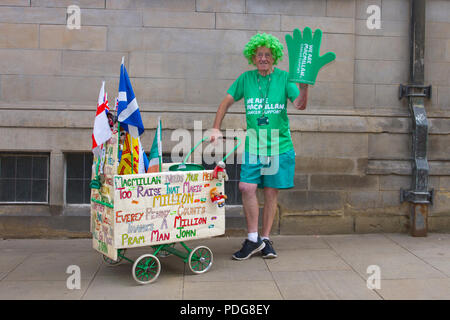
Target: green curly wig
[(263, 40)]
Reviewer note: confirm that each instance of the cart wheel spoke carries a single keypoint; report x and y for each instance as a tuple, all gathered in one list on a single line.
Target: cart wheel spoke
[(146, 269), (200, 259), (111, 262)]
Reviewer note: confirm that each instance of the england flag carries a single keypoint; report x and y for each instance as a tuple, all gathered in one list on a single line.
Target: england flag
[(102, 130)]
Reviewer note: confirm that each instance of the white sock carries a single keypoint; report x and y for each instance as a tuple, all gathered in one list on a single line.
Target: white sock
[(253, 236), (264, 238)]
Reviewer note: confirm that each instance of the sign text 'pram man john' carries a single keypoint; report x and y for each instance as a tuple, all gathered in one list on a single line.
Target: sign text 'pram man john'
[(165, 207)]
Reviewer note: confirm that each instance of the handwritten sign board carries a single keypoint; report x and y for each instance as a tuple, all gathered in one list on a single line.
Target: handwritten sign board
[(166, 207), (102, 207), (152, 208)]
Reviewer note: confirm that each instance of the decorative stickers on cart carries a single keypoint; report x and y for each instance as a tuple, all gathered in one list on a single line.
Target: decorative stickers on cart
[(166, 207), (102, 201)]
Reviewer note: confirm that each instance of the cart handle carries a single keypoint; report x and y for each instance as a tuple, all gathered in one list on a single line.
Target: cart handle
[(207, 138)]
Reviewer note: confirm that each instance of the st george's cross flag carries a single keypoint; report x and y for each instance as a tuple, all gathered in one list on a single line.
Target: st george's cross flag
[(102, 131)]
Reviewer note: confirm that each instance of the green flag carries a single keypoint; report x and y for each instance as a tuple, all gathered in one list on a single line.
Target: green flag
[(155, 158)]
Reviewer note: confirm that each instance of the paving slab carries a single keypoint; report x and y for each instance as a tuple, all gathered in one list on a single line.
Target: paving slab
[(433, 249), (323, 285), (306, 259), (433, 245), (166, 287), (282, 243), (39, 290), (53, 266), (392, 265), (10, 260), (46, 245), (226, 269), (395, 261), (232, 290), (362, 243), (415, 289)]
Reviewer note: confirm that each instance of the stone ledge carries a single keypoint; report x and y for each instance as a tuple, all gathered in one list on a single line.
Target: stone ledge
[(343, 182), (389, 224), (294, 225), (404, 167), (80, 116), (311, 203), (44, 227)]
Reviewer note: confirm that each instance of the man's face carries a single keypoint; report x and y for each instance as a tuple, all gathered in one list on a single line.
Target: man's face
[(263, 59)]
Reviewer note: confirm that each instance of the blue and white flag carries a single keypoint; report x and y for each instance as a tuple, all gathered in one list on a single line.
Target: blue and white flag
[(128, 109)]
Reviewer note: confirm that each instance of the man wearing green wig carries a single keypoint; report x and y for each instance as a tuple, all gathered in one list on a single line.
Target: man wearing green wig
[(269, 157)]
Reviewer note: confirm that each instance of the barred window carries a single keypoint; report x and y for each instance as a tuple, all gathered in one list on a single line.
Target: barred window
[(78, 177), (231, 186), (24, 178)]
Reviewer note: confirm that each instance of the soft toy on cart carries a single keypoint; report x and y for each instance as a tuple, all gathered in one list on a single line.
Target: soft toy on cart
[(217, 197)]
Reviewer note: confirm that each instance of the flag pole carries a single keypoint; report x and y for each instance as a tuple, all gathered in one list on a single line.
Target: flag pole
[(116, 101), (159, 144), (131, 153)]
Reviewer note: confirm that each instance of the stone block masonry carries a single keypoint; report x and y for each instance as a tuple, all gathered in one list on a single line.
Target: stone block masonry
[(352, 143)]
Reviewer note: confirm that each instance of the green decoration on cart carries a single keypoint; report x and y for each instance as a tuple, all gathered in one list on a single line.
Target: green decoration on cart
[(96, 183), (304, 60)]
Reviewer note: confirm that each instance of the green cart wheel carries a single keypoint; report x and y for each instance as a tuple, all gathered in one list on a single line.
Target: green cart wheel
[(146, 269), (200, 259), (111, 262)]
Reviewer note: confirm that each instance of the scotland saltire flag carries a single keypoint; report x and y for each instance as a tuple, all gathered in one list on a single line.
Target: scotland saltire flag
[(128, 109)]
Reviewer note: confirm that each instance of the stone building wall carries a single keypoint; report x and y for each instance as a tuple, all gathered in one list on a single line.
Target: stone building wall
[(353, 142)]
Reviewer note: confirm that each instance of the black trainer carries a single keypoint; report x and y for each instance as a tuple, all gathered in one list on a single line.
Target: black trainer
[(249, 248), (268, 252)]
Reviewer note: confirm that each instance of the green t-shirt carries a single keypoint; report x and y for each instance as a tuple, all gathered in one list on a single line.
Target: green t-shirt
[(275, 137)]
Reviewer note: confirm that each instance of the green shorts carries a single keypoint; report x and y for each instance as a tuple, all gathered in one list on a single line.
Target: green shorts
[(273, 172)]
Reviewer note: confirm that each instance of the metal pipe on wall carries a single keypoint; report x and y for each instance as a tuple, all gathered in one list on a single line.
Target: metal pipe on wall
[(416, 92)]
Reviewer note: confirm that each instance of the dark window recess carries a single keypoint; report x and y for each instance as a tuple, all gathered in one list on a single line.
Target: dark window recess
[(78, 177), (232, 185), (24, 178)]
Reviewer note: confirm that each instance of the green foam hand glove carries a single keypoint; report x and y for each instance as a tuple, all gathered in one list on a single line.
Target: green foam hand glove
[(304, 59)]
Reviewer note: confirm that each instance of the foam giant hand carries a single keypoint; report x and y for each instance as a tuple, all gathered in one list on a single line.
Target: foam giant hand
[(304, 59)]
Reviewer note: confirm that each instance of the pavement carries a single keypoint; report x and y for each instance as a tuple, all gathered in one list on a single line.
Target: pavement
[(331, 267)]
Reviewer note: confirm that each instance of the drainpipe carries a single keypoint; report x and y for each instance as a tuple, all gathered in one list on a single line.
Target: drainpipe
[(416, 92)]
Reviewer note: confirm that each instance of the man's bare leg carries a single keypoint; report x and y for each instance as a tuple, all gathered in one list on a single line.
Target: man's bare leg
[(270, 209), (250, 203)]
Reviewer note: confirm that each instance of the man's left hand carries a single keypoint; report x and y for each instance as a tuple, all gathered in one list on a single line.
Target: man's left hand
[(302, 99)]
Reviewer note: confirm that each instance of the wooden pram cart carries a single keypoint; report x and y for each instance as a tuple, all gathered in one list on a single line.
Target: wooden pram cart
[(158, 209)]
